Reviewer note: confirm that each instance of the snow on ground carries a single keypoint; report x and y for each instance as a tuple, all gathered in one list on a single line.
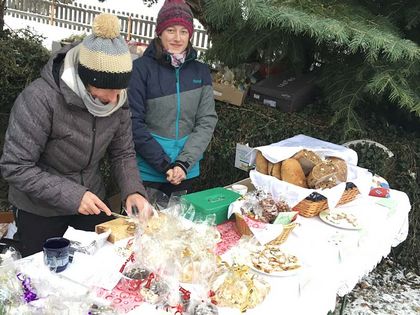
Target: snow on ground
[(390, 289), (135, 6), (52, 33), (55, 33)]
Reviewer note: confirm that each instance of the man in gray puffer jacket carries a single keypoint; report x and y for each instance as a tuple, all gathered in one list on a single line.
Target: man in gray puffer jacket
[(60, 128)]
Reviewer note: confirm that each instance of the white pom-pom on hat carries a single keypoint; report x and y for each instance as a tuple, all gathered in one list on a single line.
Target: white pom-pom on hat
[(106, 26)]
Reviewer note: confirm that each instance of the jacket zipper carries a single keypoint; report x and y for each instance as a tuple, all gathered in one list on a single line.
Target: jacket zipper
[(178, 98), (92, 148)]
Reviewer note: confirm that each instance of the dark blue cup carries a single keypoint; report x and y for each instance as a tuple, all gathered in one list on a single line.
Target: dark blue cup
[(57, 253)]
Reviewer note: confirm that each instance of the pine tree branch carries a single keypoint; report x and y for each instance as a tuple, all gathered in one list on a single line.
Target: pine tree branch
[(361, 31)]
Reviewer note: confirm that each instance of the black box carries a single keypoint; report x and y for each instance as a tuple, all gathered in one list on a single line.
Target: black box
[(285, 91)]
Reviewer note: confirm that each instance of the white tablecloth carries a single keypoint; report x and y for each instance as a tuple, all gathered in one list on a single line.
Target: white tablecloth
[(331, 269), (334, 260)]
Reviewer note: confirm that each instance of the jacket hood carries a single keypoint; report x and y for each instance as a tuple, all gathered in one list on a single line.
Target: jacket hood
[(52, 72)]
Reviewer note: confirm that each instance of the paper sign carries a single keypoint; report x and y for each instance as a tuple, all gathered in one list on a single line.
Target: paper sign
[(243, 157)]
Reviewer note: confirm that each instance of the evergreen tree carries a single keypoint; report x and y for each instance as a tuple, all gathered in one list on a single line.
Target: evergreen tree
[(367, 51)]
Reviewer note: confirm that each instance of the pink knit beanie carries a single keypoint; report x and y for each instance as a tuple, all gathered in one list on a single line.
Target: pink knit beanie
[(175, 12)]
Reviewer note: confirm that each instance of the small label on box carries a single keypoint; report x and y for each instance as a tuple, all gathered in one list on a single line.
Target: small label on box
[(270, 103)]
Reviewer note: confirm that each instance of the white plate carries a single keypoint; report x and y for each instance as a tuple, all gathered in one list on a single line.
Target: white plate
[(342, 224), (286, 273)]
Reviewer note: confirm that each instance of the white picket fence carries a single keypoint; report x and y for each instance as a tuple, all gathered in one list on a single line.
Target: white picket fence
[(80, 16)]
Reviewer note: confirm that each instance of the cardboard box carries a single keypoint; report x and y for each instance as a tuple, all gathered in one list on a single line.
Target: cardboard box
[(120, 229), (228, 94), (6, 217), (243, 157), (286, 92)]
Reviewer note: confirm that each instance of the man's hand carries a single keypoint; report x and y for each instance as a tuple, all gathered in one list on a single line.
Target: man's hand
[(175, 175), (143, 206), (91, 204)]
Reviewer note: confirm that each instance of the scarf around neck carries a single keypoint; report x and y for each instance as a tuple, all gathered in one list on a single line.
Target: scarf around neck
[(177, 59), (71, 77)]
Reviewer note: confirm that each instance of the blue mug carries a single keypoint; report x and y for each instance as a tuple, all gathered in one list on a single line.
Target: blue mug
[(57, 253)]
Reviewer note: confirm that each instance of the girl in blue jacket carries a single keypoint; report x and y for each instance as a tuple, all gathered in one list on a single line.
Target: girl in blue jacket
[(171, 99)]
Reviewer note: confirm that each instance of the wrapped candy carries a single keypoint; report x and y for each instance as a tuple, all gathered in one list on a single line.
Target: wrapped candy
[(29, 293), (204, 308), (133, 277), (188, 246), (235, 286), (11, 290), (262, 207), (155, 291)]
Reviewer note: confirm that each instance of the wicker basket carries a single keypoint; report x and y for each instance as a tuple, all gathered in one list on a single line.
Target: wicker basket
[(243, 229), (309, 208)]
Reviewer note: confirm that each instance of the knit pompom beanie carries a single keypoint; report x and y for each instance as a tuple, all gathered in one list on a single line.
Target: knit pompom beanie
[(175, 12), (104, 59)]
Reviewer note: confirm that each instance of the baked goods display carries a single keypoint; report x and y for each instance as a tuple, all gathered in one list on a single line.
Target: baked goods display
[(312, 170), (305, 169), (271, 259)]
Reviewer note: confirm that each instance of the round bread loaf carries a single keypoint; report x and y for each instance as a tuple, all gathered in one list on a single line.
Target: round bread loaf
[(261, 164), (307, 159), (292, 172), (323, 175), (276, 170), (270, 168), (341, 166)]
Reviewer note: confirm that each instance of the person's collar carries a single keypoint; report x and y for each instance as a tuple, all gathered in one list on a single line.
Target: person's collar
[(71, 78)]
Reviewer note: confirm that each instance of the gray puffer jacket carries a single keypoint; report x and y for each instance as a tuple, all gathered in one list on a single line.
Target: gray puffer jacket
[(53, 147)]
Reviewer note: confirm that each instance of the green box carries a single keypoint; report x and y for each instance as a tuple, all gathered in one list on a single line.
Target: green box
[(214, 200)]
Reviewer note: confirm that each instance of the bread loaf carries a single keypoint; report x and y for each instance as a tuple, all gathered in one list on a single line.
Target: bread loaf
[(341, 166), (307, 159), (276, 171), (261, 164), (323, 175), (270, 168), (292, 172)]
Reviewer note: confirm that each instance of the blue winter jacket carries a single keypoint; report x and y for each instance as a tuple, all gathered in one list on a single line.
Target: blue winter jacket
[(173, 114)]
